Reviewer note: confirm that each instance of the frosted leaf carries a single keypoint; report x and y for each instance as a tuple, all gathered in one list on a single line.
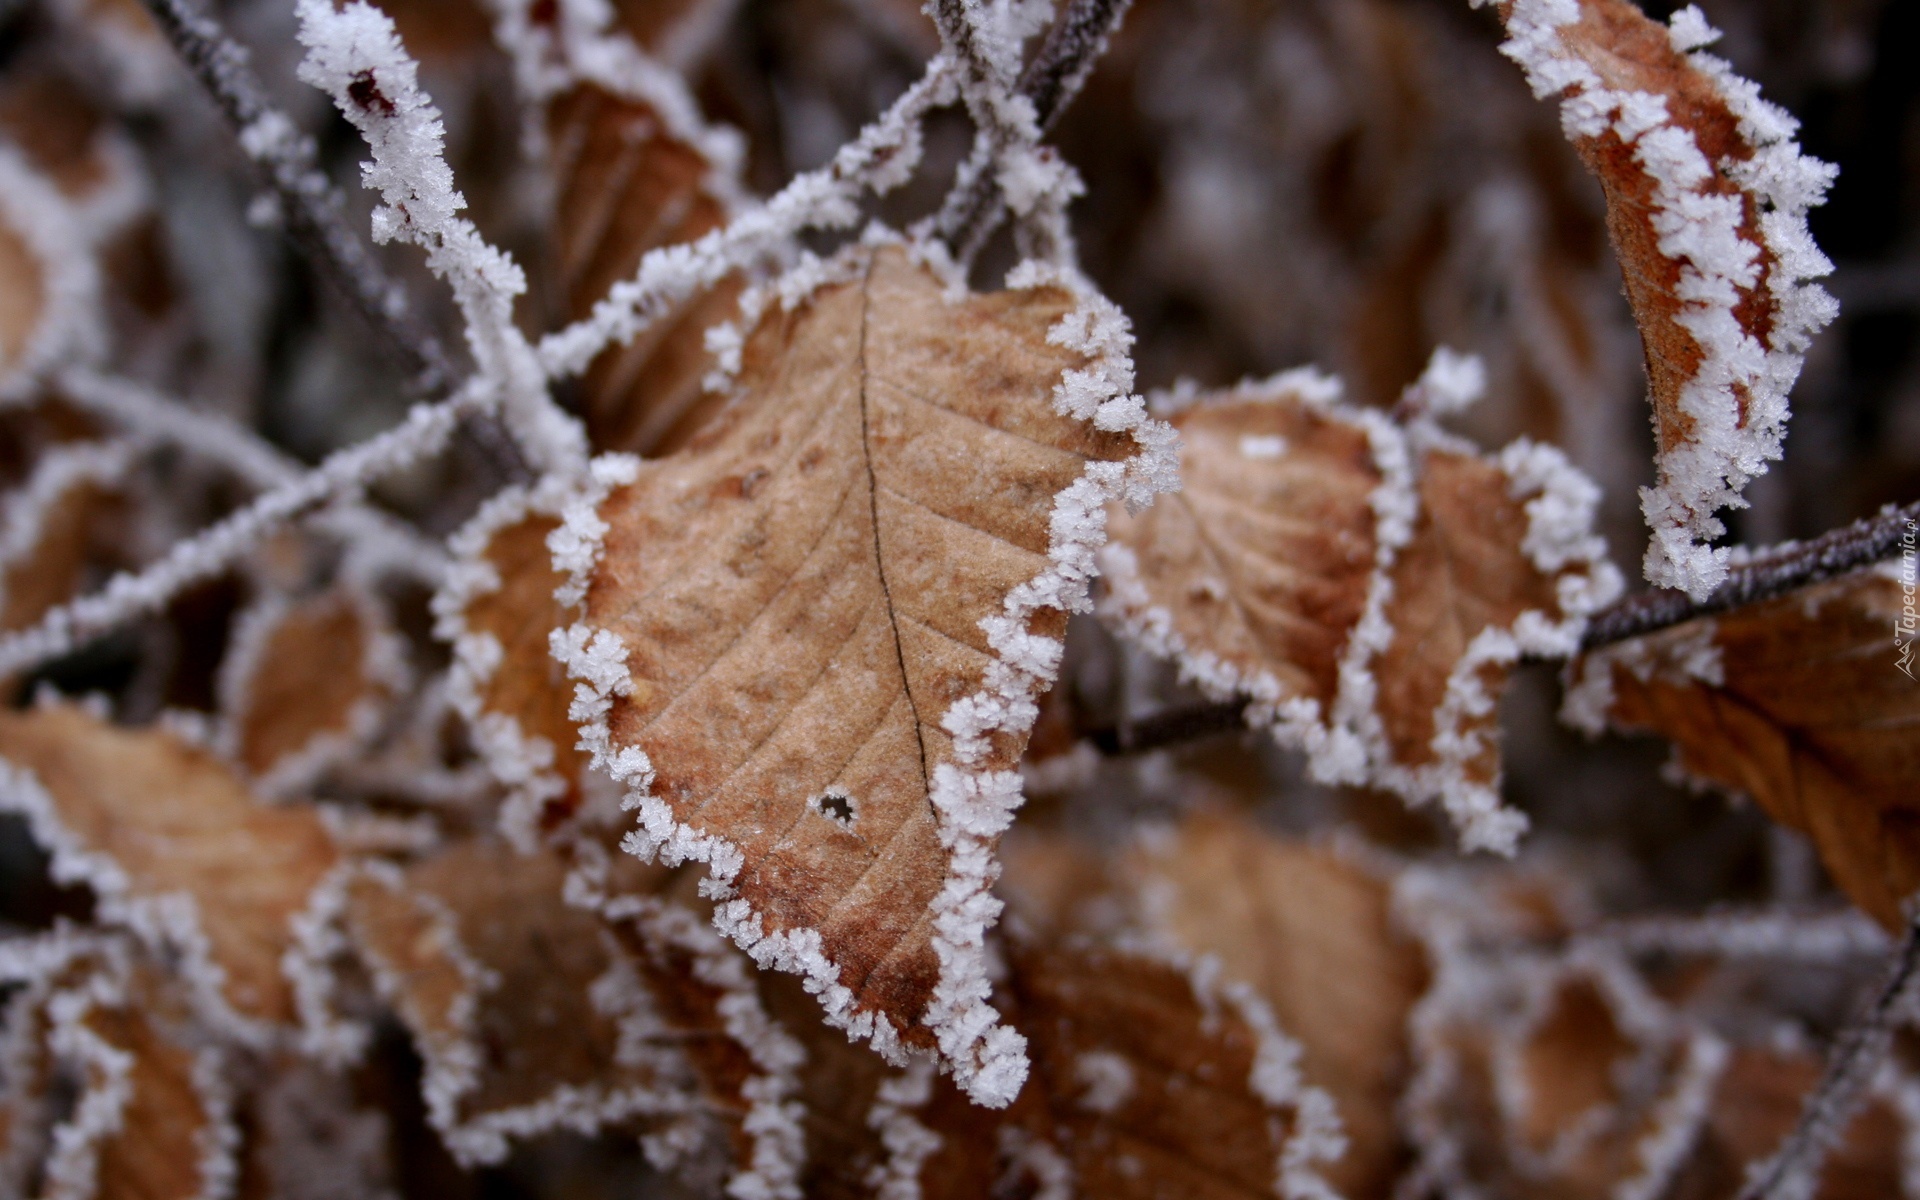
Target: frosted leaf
[(51, 528), (858, 578), (1707, 197), (174, 848), (627, 185), (304, 684), (1797, 703), (153, 1117), (1150, 1078), (1310, 932), (1365, 590), (495, 976), (497, 609)]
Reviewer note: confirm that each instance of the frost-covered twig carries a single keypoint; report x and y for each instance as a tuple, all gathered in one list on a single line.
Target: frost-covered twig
[(1796, 936), (131, 594), (354, 55), (312, 208), (1066, 57), (1759, 575), (1855, 1060)]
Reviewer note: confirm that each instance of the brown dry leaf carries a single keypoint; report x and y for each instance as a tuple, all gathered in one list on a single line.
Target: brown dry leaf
[(1149, 1080), (22, 296), (175, 1139), (173, 845), (1799, 703), (1707, 198), (501, 983), (151, 1119), (1310, 931), (304, 683), (628, 181), (1756, 1104), (1558, 1077), (53, 525), (811, 637), (498, 611), (1365, 584)]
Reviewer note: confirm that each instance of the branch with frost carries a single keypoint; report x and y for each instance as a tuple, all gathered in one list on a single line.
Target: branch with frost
[(313, 210), (1760, 575), (132, 594), (258, 462), (354, 55), (1856, 1059), (972, 212)]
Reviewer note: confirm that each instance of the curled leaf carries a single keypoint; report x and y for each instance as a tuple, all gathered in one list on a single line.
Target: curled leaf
[(1707, 197), (812, 637), (175, 848), (1800, 703), (1364, 584)]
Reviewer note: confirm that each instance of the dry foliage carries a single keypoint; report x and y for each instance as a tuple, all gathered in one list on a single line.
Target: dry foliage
[(783, 714)]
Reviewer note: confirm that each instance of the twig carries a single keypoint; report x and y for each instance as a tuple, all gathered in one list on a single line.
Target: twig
[(313, 211), (1167, 728), (1765, 575), (971, 212), (208, 552), (1857, 1054)]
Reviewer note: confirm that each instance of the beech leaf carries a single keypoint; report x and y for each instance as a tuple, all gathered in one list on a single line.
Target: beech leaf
[(500, 981), (304, 684), (1707, 197), (175, 848), (497, 609), (1798, 703), (812, 637), (626, 185), (1364, 584), (50, 531)]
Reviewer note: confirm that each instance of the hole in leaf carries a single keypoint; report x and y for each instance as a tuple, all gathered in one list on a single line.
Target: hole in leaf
[(835, 806)]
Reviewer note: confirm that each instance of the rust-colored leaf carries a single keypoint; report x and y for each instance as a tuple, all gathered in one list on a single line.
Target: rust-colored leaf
[(1707, 197), (1365, 585), (1311, 933), (628, 182), (173, 845), (498, 611), (1800, 703), (52, 528), (304, 683), (811, 638), (503, 985)]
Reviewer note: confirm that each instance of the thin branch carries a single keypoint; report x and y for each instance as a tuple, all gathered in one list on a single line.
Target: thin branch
[(313, 211), (131, 594), (1767, 574), (1168, 727), (312, 207), (1856, 1056), (972, 212)]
